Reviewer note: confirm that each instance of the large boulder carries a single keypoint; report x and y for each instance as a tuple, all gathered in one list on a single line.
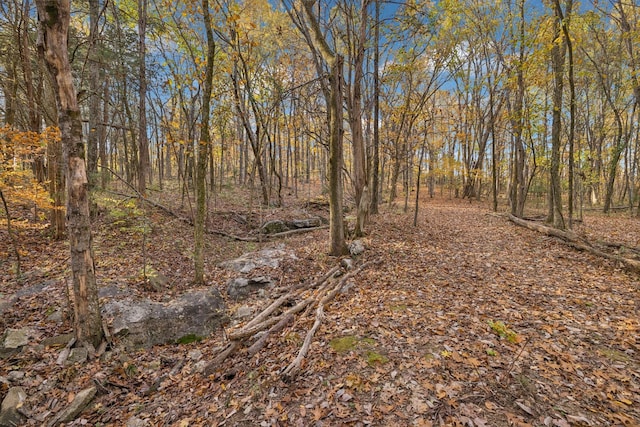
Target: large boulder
[(304, 223), (274, 227), (250, 261), (241, 287), (145, 323)]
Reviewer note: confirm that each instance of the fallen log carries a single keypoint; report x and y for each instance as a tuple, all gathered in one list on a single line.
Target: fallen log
[(572, 239)]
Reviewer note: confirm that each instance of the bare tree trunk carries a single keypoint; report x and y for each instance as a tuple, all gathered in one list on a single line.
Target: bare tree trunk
[(557, 57), (572, 99), (359, 158), (102, 140), (518, 187), (336, 223), (203, 151), (143, 142), (94, 96), (53, 18), (375, 167)]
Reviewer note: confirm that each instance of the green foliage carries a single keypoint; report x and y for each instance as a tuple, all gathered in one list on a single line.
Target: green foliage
[(128, 217), (504, 332), (373, 357), (189, 338), (130, 370), (353, 343), (344, 344)]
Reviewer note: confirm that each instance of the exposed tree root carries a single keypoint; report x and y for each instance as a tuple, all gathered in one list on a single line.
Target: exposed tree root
[(572, 239), (273, 319)]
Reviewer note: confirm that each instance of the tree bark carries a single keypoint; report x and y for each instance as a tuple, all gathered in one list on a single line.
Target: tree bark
[(203, 151), (355, 120), (53, 19), (518, 188), (375, 167), (557, 57), (94, 96), (143, 142), (336, 223)]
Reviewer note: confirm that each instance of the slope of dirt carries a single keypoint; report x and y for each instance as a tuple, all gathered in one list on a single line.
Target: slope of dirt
[(469, 320)]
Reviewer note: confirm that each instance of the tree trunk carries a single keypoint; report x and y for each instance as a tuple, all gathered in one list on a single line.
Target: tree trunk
[(557, 57), (94, 96), (336, 223), (572, 98), (102, 140), (338, 246), (203, 151), (143, 142), (359, 160), (375, 167), (53, 18), (518, 188)]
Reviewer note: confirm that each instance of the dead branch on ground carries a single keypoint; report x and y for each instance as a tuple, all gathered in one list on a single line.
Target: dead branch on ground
[(189, 221), (273, 318), (572, 239)]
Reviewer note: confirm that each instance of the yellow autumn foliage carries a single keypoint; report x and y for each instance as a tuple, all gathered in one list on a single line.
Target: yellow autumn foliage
[(19, 150)]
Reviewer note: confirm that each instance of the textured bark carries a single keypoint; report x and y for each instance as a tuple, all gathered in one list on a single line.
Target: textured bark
[(375, 167), (143, 142), (94, 96), (336, 223), (355, 120), (557, 57), (518, 189), (203, 152), (53, 18)]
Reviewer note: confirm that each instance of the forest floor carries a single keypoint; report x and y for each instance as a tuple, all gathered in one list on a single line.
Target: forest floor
[(469, 320)]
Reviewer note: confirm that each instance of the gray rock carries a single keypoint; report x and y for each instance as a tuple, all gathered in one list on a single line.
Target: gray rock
[(356, 247), (305, 223), (15, 338), (9, 415), (195, 355), (114, 291), (252, 260), (57, 341), (199, 367), (55, 317), (273, 227), (346, 263), (78, 404), (243, 312), (15, 376), (77, 355), (137, 422), (141, 324), (241, 287), (36, 289)]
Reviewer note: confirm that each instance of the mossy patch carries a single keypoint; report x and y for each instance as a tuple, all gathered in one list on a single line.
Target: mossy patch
[(188, 339), (374, 357), (344, 344), (365, 347)]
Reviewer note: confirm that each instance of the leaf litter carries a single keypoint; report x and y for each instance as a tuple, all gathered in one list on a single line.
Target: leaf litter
[(469, 320)]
